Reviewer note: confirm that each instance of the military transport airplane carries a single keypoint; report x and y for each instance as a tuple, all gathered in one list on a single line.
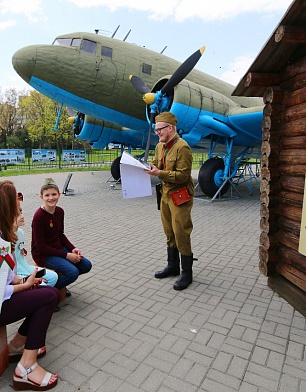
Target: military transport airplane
[(98, 76)]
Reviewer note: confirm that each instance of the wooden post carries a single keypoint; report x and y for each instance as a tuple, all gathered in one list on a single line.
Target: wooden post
[(4, 360)]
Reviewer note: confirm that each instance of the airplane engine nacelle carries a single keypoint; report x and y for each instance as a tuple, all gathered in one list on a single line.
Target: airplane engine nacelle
[(190, 101)]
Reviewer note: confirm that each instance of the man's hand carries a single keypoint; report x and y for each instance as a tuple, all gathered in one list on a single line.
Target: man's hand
[(154, 171)]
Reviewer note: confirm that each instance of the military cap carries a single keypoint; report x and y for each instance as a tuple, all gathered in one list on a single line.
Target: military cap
[(167, 117), (49, 183)]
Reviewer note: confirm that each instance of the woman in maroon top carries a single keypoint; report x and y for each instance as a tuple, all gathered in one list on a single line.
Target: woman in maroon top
[(50, 247)]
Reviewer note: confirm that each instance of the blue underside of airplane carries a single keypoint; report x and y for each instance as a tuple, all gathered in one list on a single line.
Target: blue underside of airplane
[(244, 129)]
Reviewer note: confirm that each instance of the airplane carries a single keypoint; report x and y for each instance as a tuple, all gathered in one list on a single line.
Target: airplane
[(104, 80)]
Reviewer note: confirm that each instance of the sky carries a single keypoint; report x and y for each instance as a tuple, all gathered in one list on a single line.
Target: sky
[(233, 31)]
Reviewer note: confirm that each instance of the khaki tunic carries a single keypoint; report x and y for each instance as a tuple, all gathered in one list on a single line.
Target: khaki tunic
[(176, 220)]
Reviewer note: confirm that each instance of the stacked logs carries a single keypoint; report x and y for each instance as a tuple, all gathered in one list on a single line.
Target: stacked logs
[(283, 170)]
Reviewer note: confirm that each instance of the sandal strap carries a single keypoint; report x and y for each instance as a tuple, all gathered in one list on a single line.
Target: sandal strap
[(46, 379), (24, 372)]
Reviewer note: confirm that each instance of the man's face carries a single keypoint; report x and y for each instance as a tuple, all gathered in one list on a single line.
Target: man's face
[(164, 131)]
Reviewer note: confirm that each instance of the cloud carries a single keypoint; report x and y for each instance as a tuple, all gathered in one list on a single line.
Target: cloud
[(180, 10), (237, 69), (31, 9), (7, 24)]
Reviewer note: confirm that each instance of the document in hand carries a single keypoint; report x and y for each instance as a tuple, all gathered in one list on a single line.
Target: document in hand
[(134, 180)]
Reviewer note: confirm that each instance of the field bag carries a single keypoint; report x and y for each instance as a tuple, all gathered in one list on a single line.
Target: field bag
[(180, 196)]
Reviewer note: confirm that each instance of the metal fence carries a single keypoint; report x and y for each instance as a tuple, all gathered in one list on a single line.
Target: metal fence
[(95, 159)]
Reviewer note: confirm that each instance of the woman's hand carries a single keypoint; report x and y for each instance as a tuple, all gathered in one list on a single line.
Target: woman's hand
[(30, 283)]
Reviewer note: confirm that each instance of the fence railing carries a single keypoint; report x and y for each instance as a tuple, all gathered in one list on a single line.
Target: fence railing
[(95, 159)]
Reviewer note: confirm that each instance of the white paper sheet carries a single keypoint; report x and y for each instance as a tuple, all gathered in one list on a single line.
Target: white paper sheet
[(134, 180)]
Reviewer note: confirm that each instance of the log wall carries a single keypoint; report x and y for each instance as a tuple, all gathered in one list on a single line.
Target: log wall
[(283, 170)]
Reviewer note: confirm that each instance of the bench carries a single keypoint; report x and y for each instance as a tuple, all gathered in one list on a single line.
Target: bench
[(4, 359)]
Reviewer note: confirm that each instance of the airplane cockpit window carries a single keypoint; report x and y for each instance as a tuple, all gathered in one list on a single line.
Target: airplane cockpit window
[(146, 68), (89, 46), (62, 41), (107, 52), (75, 42)]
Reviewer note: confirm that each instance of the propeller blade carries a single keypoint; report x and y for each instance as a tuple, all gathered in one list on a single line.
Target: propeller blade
[(183, 70), (139, 84), (70, 111), (145, 158)]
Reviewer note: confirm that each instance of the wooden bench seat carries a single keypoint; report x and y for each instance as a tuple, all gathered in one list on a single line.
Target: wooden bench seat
[(4, 360)]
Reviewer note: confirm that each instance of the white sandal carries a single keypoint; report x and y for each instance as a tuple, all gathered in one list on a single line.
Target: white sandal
[(16, 353), (22, 383)]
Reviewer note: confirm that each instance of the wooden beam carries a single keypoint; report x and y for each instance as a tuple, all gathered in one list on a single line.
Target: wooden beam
[(255, 79), (296, 34), (292, 294)]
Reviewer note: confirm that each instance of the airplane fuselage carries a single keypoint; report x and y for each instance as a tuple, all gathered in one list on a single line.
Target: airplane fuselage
[(90, 73)]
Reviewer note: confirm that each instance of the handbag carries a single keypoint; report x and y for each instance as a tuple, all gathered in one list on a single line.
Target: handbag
[(180, 196), (158, 188)]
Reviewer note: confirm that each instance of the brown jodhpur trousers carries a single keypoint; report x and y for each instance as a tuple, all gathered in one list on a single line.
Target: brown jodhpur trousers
[(177, 224)]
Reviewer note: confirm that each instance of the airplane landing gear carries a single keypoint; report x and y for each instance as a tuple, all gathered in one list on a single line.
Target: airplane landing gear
[(115, 169), (210, 177)]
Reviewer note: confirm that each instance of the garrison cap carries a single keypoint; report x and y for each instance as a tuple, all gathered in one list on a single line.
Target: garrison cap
[(49, 183), (167, 117)]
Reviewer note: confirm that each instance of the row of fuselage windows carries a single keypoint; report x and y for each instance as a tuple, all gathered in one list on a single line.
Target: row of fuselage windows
[(91, 47)]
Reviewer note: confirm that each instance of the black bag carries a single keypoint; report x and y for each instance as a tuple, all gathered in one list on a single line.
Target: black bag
[(158, 188)]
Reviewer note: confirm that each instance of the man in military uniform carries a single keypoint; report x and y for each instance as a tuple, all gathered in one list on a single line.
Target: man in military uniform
[(172, 164)]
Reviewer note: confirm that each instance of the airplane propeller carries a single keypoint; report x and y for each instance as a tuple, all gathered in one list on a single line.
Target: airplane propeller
[(155, 99), (139, 84)]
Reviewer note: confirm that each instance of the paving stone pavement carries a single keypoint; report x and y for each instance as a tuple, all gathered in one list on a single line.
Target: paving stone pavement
[(125, 331)]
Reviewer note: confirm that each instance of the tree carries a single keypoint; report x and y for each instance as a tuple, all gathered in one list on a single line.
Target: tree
[(40, 114), (10, 121), (28, 118)]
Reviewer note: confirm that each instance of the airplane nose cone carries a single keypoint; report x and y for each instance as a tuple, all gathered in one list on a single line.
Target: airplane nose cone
[(24, 62)]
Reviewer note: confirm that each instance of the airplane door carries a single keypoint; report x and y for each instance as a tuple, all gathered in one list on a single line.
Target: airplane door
[(106, 76)]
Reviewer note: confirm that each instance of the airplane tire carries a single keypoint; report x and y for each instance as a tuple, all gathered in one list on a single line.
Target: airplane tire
[(209, 177), (115, 168)]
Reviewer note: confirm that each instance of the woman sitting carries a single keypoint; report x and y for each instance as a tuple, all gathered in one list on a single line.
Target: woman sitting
[(25, 300)]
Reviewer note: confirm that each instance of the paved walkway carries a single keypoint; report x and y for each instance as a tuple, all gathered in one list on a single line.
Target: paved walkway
[(125, 331)]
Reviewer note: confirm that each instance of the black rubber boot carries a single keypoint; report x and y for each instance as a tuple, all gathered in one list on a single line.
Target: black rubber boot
[(186, 276), (173, 267)]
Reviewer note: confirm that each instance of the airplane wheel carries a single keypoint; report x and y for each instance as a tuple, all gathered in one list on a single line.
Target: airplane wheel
[(115, 169), (209, 177)]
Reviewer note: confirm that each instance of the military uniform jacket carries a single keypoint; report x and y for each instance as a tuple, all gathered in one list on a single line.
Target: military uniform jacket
[(174, 160)]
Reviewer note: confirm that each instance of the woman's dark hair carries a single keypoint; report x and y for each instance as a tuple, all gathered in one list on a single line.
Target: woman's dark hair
[(8, 211)]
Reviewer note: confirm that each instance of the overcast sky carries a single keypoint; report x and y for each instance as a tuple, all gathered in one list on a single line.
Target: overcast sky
[(233, 31)]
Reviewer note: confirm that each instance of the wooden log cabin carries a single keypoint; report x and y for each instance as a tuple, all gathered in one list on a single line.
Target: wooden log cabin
[(278, 74)]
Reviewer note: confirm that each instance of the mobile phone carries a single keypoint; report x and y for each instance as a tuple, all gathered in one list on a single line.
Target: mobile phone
[(40, 273)]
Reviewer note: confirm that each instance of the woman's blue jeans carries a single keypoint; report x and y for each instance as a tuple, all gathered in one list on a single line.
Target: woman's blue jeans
[(68, 272)]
